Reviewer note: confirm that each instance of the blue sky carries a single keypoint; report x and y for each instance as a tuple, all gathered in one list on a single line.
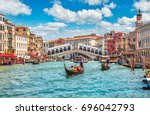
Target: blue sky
[(53, 19)]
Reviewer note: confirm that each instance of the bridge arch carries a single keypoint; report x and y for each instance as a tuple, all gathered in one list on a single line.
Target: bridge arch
[(77, 48)]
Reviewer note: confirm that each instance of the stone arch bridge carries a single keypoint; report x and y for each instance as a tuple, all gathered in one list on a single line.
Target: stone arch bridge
[(68, 49)]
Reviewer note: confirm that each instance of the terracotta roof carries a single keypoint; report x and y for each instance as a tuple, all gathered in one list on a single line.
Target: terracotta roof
[(21, 27)]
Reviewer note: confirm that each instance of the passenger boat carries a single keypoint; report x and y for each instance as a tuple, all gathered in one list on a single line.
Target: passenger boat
[(71, 72), (103, 67)]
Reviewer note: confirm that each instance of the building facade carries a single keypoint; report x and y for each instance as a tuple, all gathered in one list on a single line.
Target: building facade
[(24, 31), (39, 46), (45, 47), (2, 33), (143, 34), (7, 36), (21, 46), (91, 40), (100, 44)]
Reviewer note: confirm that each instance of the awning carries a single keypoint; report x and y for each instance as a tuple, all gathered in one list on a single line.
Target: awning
[(33, 55), (45, 56), (8, 55), (129, 53)]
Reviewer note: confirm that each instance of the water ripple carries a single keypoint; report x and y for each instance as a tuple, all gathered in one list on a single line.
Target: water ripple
[(49, 80)]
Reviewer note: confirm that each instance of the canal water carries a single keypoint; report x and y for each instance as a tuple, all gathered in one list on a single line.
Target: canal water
[(49, 80)]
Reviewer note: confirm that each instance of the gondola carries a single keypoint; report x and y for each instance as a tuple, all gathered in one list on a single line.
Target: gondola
[(71, 72), (146, 88), (103, 67), (146, 80), (35, 63)]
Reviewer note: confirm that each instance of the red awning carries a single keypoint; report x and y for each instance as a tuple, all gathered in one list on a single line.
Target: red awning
[(45, 56), (33, 55), (8, 55)]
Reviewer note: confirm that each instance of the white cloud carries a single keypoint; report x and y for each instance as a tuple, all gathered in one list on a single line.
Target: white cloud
[(107, 27), (127, 21), (61, 13), (48, 28), (14, 7), (146, 16), (106, 12), (144, 5), (95, 2), (89, 16), (67, 15), (111, 6), (82, 16), (59, 30)]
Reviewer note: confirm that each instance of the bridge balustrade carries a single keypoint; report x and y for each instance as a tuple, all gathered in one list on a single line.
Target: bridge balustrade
[(67, 48)]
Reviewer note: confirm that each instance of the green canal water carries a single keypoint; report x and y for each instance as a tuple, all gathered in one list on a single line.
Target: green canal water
[(49, 80)]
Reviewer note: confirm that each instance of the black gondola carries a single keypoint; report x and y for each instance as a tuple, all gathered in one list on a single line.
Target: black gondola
[(146, 88), (34, 63), (71, 72), (104, 67)]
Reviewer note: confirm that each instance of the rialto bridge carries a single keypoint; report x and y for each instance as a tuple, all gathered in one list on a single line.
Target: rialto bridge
[(73, 49)]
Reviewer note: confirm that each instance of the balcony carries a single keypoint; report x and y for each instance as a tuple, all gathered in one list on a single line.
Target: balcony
[(10, 38), (10, 47)]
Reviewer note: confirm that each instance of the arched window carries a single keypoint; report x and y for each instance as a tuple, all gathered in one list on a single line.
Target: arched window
[(96, 51), (80, 47), (49, 53), (88, 49), (84, 48), (61, 50), (57, 50), (69, 48), (92, 50), (100, 52), (65, 48), (53, 52)]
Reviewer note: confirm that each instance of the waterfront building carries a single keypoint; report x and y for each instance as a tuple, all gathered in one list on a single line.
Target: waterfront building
[(45, 47), (24, 31), (111, 46), (124, 43), (143, 35), (117, 39), (2, 32), (106, 37), (101, 44), (32, 46), (57, 42), (21, 45), (143, 39), (9, 37), (91, 40), (39, 46), (113, 42), (132, 41)]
